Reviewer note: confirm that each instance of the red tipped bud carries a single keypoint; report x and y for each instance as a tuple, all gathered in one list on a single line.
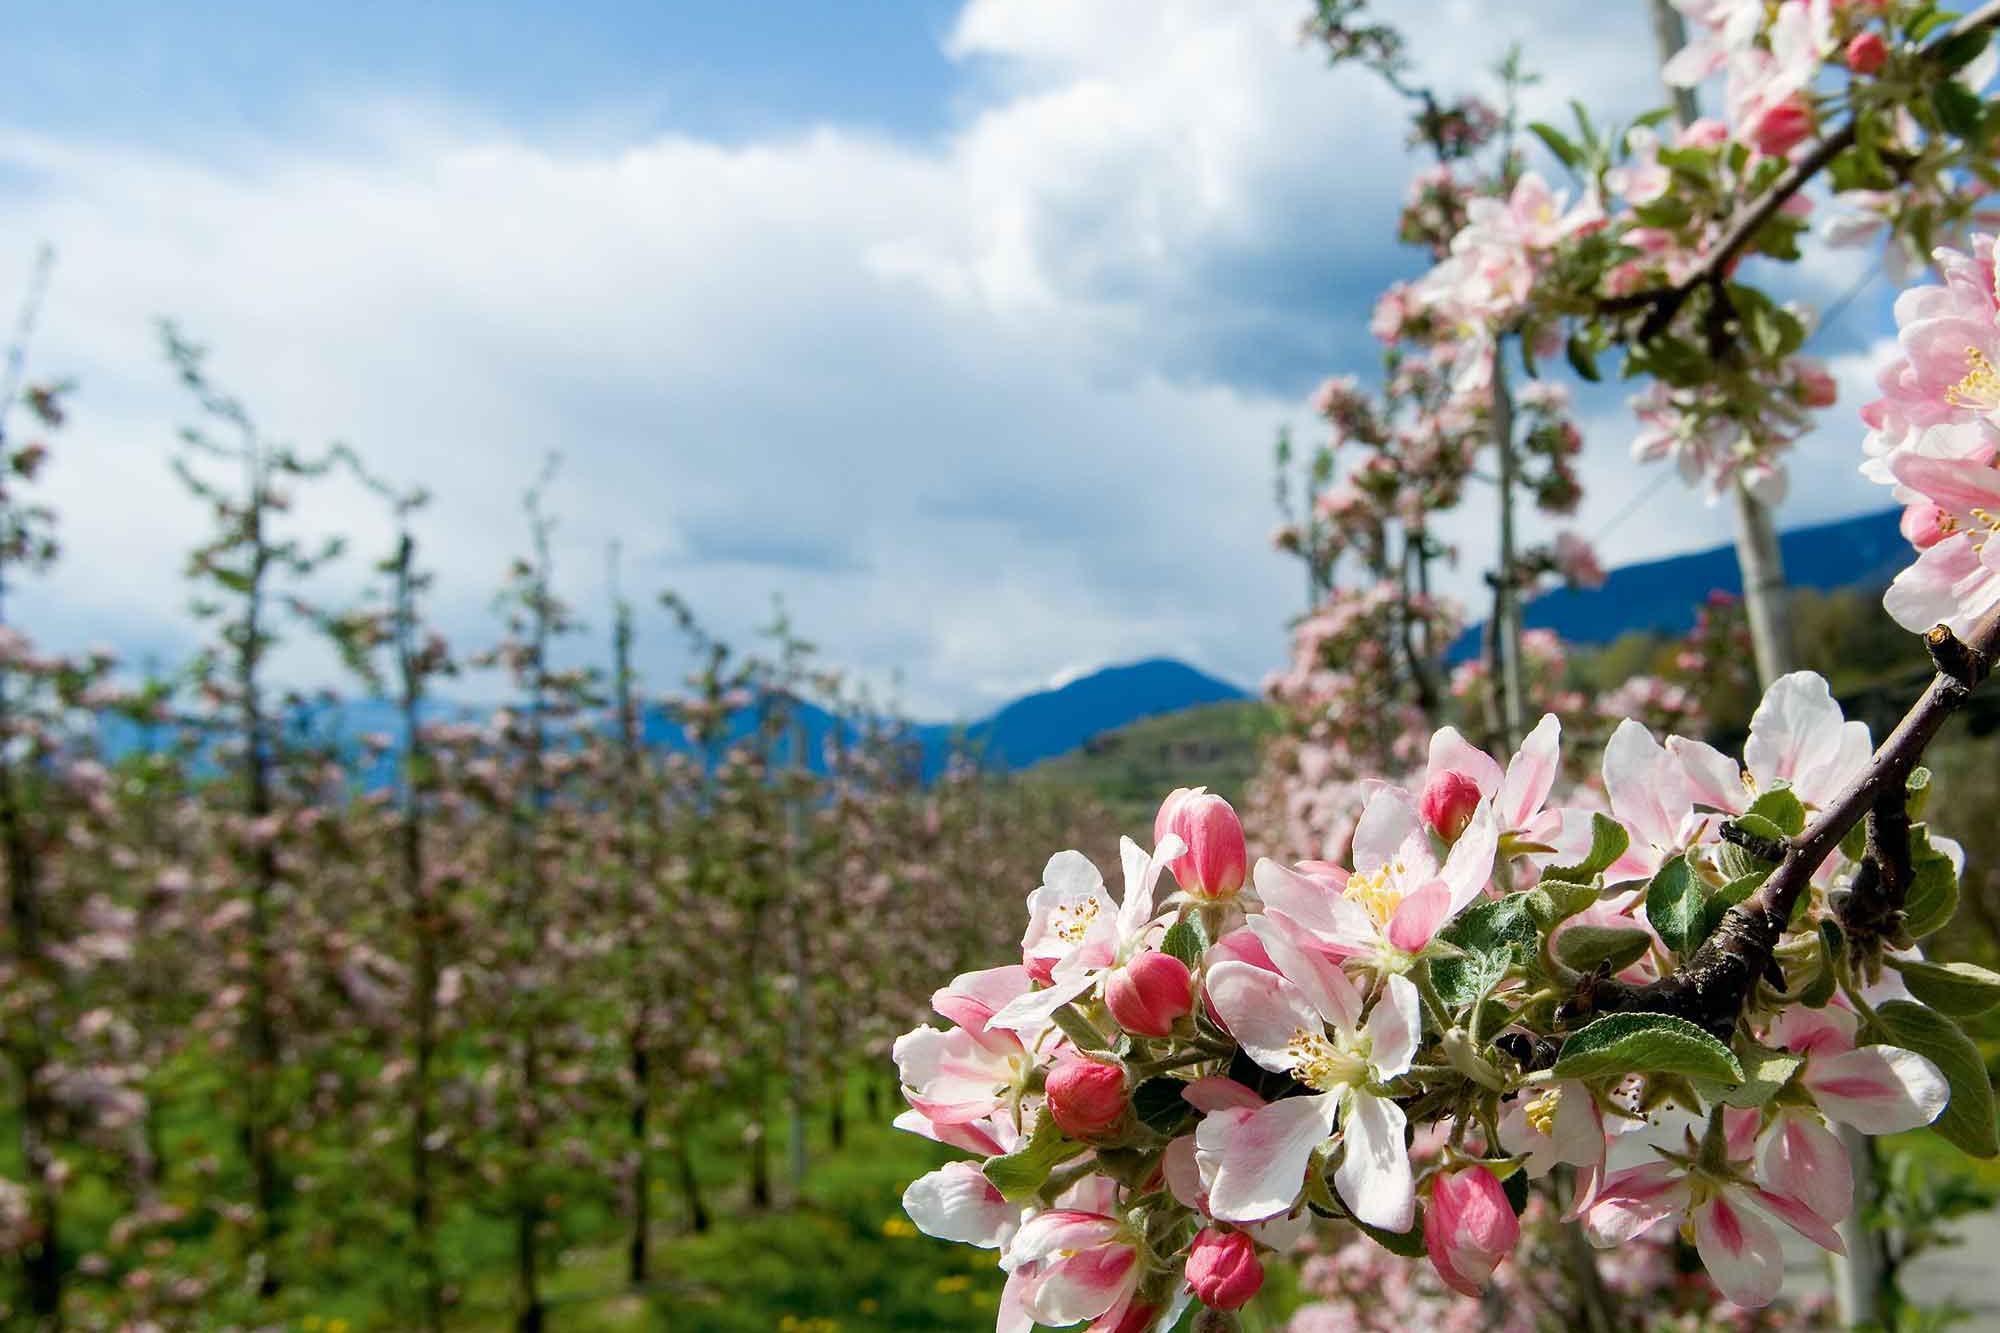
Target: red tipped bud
[(1817, 387), (1150, 994), (1217, 857), (1469, 1228), (1086, 1097), (1222, 1269), (1448, 802), (1867, 52)]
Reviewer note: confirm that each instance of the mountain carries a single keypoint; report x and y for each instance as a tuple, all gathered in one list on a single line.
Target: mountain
[(1032, 728), (1663, 595), (1057, 721)]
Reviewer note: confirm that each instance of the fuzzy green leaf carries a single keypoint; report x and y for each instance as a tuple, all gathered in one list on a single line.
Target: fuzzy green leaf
[(1585, 948), (1933, 896), (1967, 1121), (1963, 990), (1020, 1173), (1677, 907), (1608, 841), (1640, 1043), (1489, 937)]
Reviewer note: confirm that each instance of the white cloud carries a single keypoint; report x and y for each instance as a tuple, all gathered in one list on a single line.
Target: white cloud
[(983, 408)]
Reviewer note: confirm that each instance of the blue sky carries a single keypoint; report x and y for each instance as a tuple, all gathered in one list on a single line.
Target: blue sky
[(966, 326)]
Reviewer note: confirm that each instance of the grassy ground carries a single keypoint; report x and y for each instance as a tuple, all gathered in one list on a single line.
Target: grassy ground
[(1130, 769)]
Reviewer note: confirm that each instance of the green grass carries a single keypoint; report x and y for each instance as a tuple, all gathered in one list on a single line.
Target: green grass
[(1130, 769)]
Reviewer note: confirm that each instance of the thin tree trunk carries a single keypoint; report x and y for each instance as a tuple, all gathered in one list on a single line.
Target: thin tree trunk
[(1858, 1276), (697, 1211), (1507, 594), (263, 1036), (42, 1263), (424, 919), (1766, 603)]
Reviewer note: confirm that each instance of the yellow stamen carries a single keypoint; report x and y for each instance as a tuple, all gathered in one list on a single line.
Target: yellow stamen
[(1980, 389), (1072, 920), (1317, 1063), (1541, 1112), (1377, 891)]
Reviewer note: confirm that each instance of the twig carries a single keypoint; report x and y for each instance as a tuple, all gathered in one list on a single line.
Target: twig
[(1711, 987), (1663, 303)]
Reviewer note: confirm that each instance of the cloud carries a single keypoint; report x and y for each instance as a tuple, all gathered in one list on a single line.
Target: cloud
[(982, 406)]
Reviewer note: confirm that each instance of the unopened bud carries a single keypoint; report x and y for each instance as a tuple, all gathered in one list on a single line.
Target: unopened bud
[(1469, 1228), (1217, 858), (1867, 52), (1222, 1269), (1448, 803), (1150, 994), (1086, 1097)]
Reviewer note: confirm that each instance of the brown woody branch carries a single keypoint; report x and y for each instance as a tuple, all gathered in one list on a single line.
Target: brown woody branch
[(1661, 304), (1711, 986)]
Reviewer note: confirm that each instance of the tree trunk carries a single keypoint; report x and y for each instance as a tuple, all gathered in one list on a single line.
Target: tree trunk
[(1858, 1275), (1507, 593), (642, 1198)]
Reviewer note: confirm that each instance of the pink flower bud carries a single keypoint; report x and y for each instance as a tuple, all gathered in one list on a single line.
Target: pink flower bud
[(1217, 857), (1448, 802), (1469, 1228), (1150, 994), (1783, 127), (1817, 387), (1923, 524), (1086, 1097), (1222, 1269), (1866, 52)]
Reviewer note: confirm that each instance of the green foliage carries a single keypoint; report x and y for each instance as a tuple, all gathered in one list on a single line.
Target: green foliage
[(1646, 1043), (1968, 1120), (1490, 936)]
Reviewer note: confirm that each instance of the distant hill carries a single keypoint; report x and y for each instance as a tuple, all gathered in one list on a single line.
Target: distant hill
[(1030, 729), (1128, 770), (1057, 721), (1663, 595)]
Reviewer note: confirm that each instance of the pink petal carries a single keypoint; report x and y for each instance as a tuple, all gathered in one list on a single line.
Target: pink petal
[(1418, 916), (1395, 1026), (1215, 1093), (1530, 774), (1304, 961), (1452, 753), (1877, 1089), (1801, 1159), (1373, 1178), (1633, 1201), (1740, 1252), (1823, 1031), (1260, 1156), (1262, 1010)]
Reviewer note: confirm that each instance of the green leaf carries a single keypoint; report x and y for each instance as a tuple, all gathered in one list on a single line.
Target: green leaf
[(1764, 1072), (1490, 936), (1762, 826), (1967, 1121), (1963, 990), (1917, 793), (1020, 1173), (1409, 1244), (1616, 947), (1558, 143), (1783, 808), (1186, 940), (1608, 841), (1932, 899), (1730, 894), (1080, 1029), (1556, 901), (1640, 1043), (1958, 108), (1581, 358), (1677, 907), (1955, 53), (1160, 1106)]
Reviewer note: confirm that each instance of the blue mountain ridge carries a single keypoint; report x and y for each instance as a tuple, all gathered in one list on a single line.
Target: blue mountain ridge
[(1663, 595), (1034, 727)]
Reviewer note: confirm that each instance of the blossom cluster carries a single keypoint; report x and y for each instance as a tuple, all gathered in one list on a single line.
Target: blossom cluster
[(1173, 1082)]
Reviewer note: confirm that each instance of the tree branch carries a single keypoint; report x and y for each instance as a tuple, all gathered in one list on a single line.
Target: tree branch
[(1711, 987), (1663, 303)]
